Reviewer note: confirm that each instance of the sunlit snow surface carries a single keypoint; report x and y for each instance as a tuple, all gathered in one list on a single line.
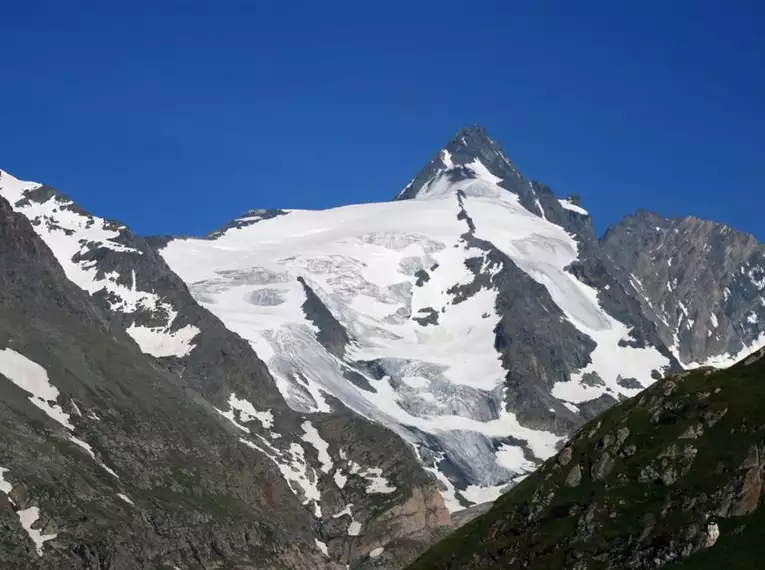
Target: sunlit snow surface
[(70, 233), (33, 379), (568, 205), (443, 379)]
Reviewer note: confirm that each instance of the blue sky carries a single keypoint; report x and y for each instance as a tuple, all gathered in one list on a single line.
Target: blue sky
[(175, 116)]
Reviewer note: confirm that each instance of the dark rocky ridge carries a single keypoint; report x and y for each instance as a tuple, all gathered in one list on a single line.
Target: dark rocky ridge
[(538, 345)]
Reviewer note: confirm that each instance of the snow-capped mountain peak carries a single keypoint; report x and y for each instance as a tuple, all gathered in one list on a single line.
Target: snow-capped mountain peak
[(448, 315), (471, 154)]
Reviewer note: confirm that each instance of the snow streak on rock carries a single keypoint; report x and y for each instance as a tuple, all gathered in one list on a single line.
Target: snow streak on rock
[(33, 379), (28, 518)]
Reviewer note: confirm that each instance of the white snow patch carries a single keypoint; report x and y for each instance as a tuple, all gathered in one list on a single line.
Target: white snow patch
[(477, 494), (231, 416), (33, 378), (311, 435), (84, 446), (294, 468), (376, 552), (247, 413), (340, 478), (541, 210), (108, 469), (158, 342), (449, 493), (89, 450), (322, 546), (354, 529), (5, 486), (511, 457), (713, 319), (713, 533), (125, 498), (573, 407), (28, 517), (446, 158), (568, 205), (727, 359), (345, 511), (758, 282), (376, 482)]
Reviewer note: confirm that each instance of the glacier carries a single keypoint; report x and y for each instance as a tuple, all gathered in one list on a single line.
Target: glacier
[(418, 358)]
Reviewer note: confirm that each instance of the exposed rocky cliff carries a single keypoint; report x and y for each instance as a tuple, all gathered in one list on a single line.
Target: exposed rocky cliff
[(701, 283)]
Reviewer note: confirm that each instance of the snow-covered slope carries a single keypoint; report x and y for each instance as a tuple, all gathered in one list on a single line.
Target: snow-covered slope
[(76, 238), (393, 309)]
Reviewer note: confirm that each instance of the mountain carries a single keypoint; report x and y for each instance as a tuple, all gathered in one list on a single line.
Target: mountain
[(447, 315), (354, 383), (670, 479)]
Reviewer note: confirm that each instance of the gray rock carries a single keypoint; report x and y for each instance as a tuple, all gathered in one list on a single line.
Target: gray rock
[(574, 476), (564, 456), (602, 467), (629, 383), (592, 379)]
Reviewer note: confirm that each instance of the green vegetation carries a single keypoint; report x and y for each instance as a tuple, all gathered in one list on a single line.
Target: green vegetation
[(656, 470)]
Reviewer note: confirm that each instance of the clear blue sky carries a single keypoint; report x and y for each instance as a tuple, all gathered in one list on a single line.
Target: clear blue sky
[(175, 116)]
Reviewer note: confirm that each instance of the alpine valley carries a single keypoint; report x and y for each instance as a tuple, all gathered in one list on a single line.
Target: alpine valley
[(341, 388)]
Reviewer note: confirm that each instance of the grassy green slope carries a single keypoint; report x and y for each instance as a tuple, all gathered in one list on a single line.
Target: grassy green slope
[(683, 462)]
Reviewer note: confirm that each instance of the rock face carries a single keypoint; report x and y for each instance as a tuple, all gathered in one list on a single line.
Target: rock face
[(701, 283), (647, 497)]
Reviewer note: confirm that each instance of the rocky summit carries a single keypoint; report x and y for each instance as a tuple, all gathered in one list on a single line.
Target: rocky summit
[(343, 388), (671, 478)]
